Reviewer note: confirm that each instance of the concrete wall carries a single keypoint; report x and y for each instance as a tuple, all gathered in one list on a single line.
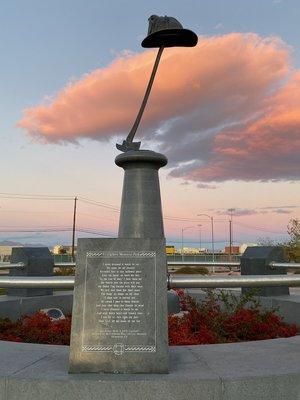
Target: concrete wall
[(13, 307)]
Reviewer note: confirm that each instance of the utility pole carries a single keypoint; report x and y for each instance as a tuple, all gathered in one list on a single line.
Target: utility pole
[(230, 233), (230, 240), (212, 241), (74, 227), (199, 225)]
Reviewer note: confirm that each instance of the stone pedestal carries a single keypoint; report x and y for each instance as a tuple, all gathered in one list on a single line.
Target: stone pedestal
[(119, 322), (141, 213), (38, 262), (255, 261)]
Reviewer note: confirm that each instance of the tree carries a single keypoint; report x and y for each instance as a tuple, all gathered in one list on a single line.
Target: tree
[(265, 241), (293, 245)]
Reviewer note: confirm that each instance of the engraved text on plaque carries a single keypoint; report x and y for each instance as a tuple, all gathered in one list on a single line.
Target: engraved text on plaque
[(120, 294)]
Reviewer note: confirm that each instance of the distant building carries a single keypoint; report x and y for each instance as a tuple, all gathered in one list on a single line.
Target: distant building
[(233, 250), (245, 245), (170, 250), (238, 249), (5, 253), (192, 250), (60, 249)]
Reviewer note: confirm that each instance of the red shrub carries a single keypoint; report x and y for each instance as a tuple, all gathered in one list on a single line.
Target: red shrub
[(10, 338), (208, 323), (38, 328), (204, 323)]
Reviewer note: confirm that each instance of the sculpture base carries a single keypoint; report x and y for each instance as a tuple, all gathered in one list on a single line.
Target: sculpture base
[(141, 213)]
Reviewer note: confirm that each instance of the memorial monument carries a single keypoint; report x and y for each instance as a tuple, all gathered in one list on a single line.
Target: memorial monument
[(119, 322)]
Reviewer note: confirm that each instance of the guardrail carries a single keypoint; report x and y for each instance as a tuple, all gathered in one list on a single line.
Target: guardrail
[(203, 281), (204, 263), (173, 281), (272, 264), (291, 265), (37, 282), (67, 264), (11, 265)]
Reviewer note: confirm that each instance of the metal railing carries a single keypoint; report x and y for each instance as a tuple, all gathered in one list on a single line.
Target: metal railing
[(174, 281), (8, 265), (33, 282), (272, 264), (293, 265), (67, 264), (202, 257), (204, 281), (204, 263)]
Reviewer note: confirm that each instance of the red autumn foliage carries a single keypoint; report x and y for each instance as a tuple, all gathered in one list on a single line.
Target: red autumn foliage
[(209, 323), (204, 323), (37, 328)]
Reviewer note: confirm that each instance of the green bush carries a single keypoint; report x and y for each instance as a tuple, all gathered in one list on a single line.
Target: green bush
[(192, 270)]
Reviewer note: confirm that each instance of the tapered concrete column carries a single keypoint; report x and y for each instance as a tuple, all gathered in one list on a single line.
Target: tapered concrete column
[(141, 212)]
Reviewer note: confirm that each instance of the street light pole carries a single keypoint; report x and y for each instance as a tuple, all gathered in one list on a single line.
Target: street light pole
[(212, 236), (182, 230), (199, 237), (231, 210), (212, 240), (74, 228)]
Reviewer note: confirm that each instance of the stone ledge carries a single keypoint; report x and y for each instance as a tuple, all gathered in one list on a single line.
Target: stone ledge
[(267, 369), (288, 306), (13, 307)]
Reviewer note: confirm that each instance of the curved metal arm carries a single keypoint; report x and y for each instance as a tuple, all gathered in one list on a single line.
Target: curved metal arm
[(128, 143)]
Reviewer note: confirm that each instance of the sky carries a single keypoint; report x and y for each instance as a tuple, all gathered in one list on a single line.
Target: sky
[(226, 114)]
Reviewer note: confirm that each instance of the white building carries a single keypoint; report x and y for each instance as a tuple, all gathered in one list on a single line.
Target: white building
[(192, 250), (5, 252), (245, 245)]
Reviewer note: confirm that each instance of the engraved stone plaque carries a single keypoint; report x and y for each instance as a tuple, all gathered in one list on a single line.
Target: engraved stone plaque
[(119, 321)]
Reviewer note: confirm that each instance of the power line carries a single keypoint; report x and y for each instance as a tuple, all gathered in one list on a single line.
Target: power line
[(95, 216), (12, 195), (179, 219), (202, 241), (258, 228), (34, 212), (94, 233), (35, 198), (56, 229), (112, 208), (34, 227)]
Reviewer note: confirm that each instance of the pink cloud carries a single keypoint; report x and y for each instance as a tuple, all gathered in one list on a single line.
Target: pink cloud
[(104, 102), (267, 148), (224, 109)]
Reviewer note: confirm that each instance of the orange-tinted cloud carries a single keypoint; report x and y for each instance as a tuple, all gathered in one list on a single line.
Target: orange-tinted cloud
[(267, 148), (219, 110)]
